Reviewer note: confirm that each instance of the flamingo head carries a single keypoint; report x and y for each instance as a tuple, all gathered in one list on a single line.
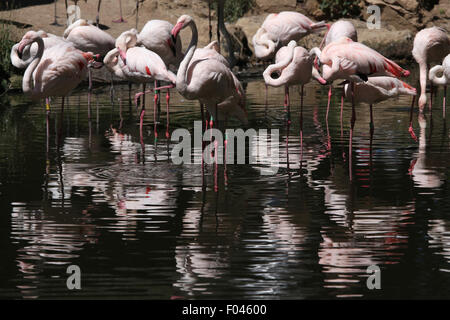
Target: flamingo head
[(27, 39), (182, 22)]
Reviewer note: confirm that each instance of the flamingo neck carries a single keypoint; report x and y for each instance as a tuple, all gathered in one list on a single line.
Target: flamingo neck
[(423, 85), (264, 48), (434, 78), (16, 60), (27, 82), (281, 80), (181, 82)]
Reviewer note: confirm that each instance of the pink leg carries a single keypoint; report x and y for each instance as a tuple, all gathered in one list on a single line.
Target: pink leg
[(167, 111), (342, 109), (431, 97), (287, 106), (352, 125), (120, 20), (328, 104), (411, 131), (154, 113), (443, 102), (301, 127)]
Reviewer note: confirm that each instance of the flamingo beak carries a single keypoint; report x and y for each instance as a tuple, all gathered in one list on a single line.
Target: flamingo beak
[(123, 55), (176, 30), (23, 44)]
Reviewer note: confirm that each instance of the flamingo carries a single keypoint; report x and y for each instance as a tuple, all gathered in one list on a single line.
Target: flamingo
[(208, 80), (443, 80), (339, 29), (353, 61), (54, 71), (280, 28), (30, 51), (378, 89), (144, 66), (97, 18), (430, 45), (293, 65), (87, 37)]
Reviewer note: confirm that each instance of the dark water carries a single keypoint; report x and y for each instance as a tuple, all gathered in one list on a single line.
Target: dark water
[(139, 226)]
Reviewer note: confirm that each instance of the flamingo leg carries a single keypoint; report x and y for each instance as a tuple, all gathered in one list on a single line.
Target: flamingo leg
[(55, 22), (209, 20), (372, 128), (120, 20), (203, 115), (430, 105), (328, 104), (67, 13), (352, 125), (411, 131), (97, 18), (287, 106), (443, 102), (141, 120), (167, 113), (137, 13), (47, 120), (301, 127), (61, 119), (342, 109), (154, 113), (111, 90)]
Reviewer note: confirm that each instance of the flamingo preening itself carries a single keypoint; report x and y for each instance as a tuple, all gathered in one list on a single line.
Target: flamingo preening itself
[(430, 45), (339, 29), (54, 71), (442, 80), (89, 38), (353, 61), (278, 29), (143, 66)]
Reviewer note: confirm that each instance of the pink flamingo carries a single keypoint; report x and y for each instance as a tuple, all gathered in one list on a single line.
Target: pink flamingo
[(208, 80), (293, 65), (339, 29), (89, 38), (280, 28), (430, 45), (30, 51), (377, 89), (354, 62), (443, 80), (54, 71), (143, 66)]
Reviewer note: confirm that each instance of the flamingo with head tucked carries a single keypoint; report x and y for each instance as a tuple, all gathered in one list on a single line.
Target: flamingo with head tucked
[(54, 71), (430, 45), (339, 29), (278, 29), (443, 80), (353, 61), (143, 66), (208, 80), (87, 37)]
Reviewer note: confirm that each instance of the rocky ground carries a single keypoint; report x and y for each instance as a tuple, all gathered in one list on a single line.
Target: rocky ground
[(400, 19)]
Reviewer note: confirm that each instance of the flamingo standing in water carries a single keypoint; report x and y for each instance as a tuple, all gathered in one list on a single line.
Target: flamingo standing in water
[(293, 65), (430, 45), (443, 80), (87, 37), (54, 71), (143, 66), (377, 89), (339, 29), (354, 62), (156, 37), (208, 80)]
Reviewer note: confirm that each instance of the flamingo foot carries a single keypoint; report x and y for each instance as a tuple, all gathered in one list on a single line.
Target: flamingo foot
[(120, 20), (411, 132)]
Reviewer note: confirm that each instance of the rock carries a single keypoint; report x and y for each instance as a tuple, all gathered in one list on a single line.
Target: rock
[(312, 9), (276, 6)]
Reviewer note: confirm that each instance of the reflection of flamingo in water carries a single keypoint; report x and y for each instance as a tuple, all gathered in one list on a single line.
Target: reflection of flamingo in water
[(424, 175)]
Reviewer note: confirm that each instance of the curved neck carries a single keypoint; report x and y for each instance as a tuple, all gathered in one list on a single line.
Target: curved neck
[(111, 61), (27, 82), (279, 67), (315, 51), (264, 47), (434, 78), (16, 60), (182, 85)]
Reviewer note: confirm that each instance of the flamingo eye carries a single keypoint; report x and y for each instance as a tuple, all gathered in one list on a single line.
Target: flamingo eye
[(275, 74)]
